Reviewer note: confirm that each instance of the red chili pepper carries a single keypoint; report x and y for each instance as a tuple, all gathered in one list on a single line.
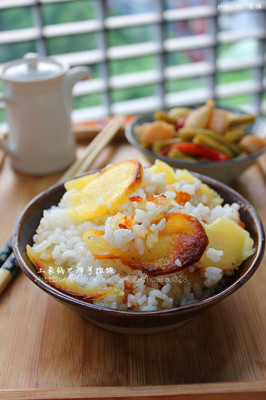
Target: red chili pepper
[(197, 150), (181, 122)]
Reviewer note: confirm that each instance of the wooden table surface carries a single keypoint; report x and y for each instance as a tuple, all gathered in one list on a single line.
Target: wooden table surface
[(48, 351)]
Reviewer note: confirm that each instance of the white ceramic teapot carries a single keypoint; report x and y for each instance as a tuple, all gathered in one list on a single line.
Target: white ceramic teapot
[(38, 98)]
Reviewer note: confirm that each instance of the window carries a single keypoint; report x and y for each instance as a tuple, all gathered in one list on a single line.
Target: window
[(145, 54)]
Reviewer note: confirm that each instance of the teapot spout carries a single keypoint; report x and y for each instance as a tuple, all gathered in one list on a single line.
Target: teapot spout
[(76, 74)]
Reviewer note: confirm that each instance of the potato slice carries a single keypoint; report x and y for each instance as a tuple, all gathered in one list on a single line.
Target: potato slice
[(79, 183), (183, 174), (235, 242), (161, 167), (213, 199), (57, 276), (182, 243), (108, 190)]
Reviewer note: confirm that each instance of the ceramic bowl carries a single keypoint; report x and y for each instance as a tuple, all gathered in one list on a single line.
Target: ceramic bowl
[(129, 321), (225, 171)]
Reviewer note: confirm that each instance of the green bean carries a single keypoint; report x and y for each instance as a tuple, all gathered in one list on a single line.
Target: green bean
[(187, 134), (160, 145), (241, 119), (163, 116), (175, 153), (222, 140), (178, 112), (234, 135), (204, 140)]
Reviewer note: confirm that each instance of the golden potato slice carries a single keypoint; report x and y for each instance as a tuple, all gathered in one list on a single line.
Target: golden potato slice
[(213, 199), (235, 242), (182, 243), (57, 276), (92, 232), (183, 174), (79, 183), (106, 191), (161, 167)]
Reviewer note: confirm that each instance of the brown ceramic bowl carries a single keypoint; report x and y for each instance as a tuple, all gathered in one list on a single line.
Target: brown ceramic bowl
[(130, 321), (224, 171)]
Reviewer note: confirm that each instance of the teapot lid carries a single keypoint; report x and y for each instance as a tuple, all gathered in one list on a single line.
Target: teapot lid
[(32, 68)]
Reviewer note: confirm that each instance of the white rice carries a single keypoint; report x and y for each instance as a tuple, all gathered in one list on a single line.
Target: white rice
[(63, 237), (214, 255)]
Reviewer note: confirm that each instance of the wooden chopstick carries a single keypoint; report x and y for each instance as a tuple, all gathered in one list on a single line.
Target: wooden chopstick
[(94, 148), (2, 157), (3, 137), (8, 266), (261, 162)]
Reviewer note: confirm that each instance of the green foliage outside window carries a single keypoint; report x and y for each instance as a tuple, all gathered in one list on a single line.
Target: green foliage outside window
[(82, 10)]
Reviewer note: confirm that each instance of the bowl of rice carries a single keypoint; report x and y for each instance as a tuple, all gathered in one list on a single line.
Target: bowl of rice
[(137, 250)]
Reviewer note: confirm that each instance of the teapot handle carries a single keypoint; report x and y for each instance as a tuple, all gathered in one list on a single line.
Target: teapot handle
[(72, 76), (7, 99), (4, 146)]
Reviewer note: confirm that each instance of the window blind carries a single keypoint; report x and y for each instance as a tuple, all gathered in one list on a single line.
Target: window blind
[(190, 48)]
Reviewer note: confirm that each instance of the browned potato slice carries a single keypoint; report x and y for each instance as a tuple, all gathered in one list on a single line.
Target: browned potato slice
[(58, 277), (106, 191), (182, 243)]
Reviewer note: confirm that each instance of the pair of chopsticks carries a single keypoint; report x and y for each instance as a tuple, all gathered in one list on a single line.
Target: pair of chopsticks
[(8, 265), (94, 148)]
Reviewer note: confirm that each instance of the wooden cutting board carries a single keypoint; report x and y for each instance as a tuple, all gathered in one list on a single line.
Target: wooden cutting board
[(50, 352)]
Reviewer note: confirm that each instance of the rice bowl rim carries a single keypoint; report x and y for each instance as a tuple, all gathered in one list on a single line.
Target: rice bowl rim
[(60, 295)]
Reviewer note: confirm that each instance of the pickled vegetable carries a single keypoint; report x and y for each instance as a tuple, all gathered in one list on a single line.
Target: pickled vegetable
[(178, 113), (199, 118), (157, 130), (219, 121), (160, 145), (222, 140), (237, 119), (213, 144), (163, 116), (251, 144), (234, 135), (217, 129), (197, 150), (175, 153)]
